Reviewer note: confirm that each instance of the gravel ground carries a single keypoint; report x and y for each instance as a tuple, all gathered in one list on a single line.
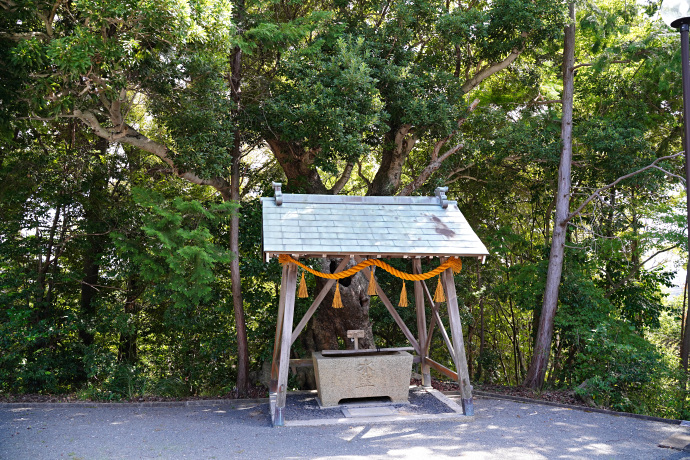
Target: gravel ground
[(303, 406), (241, 430)]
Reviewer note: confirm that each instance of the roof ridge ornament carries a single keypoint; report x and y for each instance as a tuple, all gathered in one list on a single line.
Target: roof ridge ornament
[(278, 192), (441, 194)]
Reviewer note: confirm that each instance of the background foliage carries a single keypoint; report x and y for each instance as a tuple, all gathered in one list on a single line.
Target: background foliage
[(114, 277)]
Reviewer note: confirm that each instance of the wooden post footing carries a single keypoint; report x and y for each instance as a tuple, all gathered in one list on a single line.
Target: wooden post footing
[(468, 407)]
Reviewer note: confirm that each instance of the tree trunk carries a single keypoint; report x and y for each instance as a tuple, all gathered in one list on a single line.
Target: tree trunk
[(685, 331), (330, 324), (95, 239), (88, 290), (542, 345), (398, 143), (127, 351), (238, 307)]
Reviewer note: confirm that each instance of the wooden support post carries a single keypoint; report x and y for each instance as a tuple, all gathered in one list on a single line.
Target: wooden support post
[(317, 301), (421, 324), (458, 342), (284, 357), (273, 386)]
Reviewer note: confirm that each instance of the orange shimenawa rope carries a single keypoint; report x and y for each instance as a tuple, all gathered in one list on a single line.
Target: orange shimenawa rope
[(453, 262)]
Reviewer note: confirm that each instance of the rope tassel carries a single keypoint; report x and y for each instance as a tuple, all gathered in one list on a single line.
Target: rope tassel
[(457, 266), (403, 297), (439, 295), (372, 284), (302, 293), (337, 301)]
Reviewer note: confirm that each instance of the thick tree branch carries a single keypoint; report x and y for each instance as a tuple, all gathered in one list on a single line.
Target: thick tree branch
[(383, 15), (361, 174), (589, 64), (595, 194), (428, 171), (547, 102), (436, 160), (8, 5), (20, 36), (298, 165), (398, 145), (128, 135), (491, 69), (344, 178), (457, 178)]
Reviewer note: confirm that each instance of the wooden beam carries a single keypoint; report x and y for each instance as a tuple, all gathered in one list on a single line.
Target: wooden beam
[(421, 322), (432, 323), (273, 385), (301, 363), (317, 301), (427, 345), (284, 362), (391, 309), (442, 369), (458, 341), (449, 344), (436, 319)]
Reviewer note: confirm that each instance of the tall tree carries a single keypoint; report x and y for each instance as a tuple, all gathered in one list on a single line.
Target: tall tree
[(384, 83), (95, 62), (542, 345), (238, 307)]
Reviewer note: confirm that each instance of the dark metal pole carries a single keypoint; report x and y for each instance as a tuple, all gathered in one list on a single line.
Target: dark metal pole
[(685, 65), (685, 58)]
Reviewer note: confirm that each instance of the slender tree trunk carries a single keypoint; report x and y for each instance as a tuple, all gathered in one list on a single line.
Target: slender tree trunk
[(89, 291), (471, 331), (127, 351), (685, 331), (542, 345), (683, 317), (238, 307), (95, 243), (482, 341), (684, 340)]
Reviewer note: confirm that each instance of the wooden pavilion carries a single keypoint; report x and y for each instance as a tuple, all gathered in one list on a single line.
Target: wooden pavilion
[(357, 227)]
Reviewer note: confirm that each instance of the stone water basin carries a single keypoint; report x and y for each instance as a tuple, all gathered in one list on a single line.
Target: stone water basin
[(371, 375)]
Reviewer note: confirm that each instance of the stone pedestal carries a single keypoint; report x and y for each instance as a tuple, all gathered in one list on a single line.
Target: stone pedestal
[(362, 376)]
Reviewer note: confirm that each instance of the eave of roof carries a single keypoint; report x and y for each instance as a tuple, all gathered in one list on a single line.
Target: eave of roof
[(333, 225)]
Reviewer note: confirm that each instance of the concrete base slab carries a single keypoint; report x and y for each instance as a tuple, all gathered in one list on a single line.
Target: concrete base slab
[(362, 402), (376, 411), (373, 412), (679, 441)]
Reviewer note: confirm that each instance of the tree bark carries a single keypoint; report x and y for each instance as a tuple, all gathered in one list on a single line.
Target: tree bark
[(95, 240), (329, 323), (127, 351), (542, 345), (238, 306), (298, 165), (685, 332), (397, 145)]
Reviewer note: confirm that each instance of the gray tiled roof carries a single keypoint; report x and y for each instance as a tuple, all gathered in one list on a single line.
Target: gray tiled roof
[(316, 225)]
